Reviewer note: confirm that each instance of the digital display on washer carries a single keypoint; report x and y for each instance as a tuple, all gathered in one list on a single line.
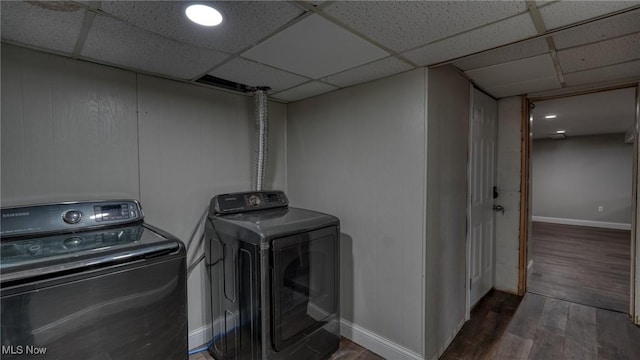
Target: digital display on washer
[(112, 212)]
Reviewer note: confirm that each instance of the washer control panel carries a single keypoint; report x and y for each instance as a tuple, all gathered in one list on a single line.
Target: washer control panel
[(248, 201), (67, 217)]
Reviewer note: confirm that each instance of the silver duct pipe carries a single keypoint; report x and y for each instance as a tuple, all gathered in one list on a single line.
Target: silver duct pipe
[(262, 138)]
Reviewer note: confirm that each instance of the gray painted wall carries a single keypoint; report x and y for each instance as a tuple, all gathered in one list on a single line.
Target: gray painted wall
[(572, 177), (75, 130), (508, 224), (359, 153), (57, 117), (447, 147)]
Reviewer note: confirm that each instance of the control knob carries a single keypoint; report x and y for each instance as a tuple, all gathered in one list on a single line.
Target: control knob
[(72, 216), (254, 200)]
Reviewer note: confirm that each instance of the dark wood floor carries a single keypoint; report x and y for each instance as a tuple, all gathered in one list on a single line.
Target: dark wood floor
[(547, 328), (507, 327), (581, 264), (543, 328), (348, 351), (479, 337)]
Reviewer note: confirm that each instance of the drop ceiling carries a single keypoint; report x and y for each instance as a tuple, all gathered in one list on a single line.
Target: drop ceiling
[(302, 49)]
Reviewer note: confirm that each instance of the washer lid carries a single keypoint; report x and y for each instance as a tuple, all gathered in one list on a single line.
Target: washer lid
[(24, 258)]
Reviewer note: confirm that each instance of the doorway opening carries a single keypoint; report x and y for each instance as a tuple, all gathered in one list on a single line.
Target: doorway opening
[(581, 198)]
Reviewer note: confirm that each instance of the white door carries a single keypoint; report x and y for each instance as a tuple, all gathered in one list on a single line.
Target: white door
[(482, 179)]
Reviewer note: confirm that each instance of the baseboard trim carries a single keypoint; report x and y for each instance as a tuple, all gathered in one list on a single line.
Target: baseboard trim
[(376, 343), (200, 337), (598, 224)]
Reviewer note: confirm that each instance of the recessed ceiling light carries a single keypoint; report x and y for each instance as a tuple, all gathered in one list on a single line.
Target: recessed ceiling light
[(561, 131), (551, 116), (203, 15)]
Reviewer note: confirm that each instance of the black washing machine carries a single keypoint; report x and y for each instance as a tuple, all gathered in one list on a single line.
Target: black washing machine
[(274, 276), (90, 280)]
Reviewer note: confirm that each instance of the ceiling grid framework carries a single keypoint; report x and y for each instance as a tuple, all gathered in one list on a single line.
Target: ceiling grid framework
[(542, 29), (305, 48), (316, 9), (87, 22), (602, 29)]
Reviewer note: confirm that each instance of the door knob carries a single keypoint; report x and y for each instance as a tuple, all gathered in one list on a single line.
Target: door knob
[(498, 208)]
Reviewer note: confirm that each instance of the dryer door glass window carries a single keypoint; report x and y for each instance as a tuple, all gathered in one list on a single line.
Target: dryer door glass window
[(305, 284)]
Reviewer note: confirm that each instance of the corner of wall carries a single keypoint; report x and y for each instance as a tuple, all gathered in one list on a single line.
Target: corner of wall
[(508, 182), (424, 212)]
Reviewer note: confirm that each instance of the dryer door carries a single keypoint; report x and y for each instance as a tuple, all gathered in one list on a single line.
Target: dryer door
[(305, 284)]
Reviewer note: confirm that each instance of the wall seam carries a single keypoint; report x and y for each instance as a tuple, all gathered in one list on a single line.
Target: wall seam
[(138, 137), (424, 214)]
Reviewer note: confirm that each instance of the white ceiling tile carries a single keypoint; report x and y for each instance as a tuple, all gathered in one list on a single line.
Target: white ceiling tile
[(315, 47), (615, 26), (303, 91), (507, 53), (375, 70), (628, 70), (600, 54), (525, 87), (561, 13), (245, 22), (487, 37), (46, 25), (517, 77), (253, 74), (403, 25), (114, 42)]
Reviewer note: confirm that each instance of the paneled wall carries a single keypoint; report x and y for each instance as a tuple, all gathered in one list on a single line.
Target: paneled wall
[(69, 130), (194, 143), (447, 148), (75, 130), (359, 153)]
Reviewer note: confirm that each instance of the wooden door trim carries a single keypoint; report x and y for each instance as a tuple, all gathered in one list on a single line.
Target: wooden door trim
[(525, 149), (525, 167), (634, 302)]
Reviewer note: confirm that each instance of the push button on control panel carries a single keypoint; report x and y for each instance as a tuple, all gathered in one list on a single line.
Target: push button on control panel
[(72, 217)]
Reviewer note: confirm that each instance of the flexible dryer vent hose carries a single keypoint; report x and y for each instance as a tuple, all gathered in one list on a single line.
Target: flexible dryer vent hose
[(262, 138)]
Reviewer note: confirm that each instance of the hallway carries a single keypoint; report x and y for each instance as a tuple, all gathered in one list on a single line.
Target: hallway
[(585, 265)]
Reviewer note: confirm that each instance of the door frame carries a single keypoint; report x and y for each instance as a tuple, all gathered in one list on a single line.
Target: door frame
[(634, 303), (525, 192), (526, 138), (467, 292)]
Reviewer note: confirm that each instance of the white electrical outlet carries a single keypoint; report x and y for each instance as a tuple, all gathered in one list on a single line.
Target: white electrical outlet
[(600, 208)]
